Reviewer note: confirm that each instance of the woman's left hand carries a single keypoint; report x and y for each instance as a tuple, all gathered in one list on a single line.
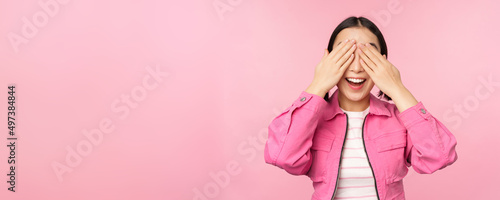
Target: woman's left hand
[(385, 76), (383, 73)]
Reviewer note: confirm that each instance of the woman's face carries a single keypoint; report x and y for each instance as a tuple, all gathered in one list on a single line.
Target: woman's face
[(355, 91)]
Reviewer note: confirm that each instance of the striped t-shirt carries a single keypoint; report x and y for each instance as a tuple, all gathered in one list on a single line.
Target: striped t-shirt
[(356, 179)]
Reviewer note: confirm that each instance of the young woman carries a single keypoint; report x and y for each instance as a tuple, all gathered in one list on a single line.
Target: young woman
[(353, 145)]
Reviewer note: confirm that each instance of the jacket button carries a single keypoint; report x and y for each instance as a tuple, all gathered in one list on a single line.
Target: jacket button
[(422, 110), (303, 99)]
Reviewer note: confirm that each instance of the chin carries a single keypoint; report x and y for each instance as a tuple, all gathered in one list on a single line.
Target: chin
[(356, 96)]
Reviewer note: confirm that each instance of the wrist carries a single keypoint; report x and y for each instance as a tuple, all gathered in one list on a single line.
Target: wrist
[(313, 89), (403, 99), (398, 91)]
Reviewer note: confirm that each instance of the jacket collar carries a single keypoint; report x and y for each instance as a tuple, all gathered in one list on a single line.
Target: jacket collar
[(377, 106)]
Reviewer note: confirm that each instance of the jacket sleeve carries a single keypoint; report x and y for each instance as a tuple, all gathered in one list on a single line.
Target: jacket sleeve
[(430, 145), (290, 134)]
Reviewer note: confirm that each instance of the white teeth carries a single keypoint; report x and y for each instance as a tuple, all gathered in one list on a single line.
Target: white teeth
[(355, 80)]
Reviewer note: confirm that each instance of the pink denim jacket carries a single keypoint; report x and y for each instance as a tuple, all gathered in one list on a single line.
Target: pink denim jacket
[(307, 139)]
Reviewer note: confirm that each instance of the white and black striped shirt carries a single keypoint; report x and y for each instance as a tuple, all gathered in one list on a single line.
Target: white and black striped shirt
[(356, 179)]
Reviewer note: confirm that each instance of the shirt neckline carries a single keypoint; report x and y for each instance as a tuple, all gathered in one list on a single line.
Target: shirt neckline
[(357, 112)]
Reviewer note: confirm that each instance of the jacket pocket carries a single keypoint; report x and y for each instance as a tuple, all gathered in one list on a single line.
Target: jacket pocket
[(322, 142), (391, 149), (320, 149), (391, 141), (395, 189)]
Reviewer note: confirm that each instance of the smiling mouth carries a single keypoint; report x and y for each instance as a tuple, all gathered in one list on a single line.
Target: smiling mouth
[(355, 81)]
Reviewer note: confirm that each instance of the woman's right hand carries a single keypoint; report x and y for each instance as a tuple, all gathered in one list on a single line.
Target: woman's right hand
[(331, 68)]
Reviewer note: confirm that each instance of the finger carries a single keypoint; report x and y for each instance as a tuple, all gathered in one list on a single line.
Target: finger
[(376, 53), (336, 49), (347, 63), (367, 68), (369, 56), (347, 55), (373, 54), (339, 52), (367, 60), (325, 54), (348, 46)]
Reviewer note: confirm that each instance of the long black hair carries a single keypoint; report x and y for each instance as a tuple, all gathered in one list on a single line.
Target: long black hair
[(360, 22)]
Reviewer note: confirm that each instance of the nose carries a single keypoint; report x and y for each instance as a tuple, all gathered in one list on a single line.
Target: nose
[(355, 64)]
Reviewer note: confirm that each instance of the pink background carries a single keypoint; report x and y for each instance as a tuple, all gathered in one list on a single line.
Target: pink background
[(225, 75)]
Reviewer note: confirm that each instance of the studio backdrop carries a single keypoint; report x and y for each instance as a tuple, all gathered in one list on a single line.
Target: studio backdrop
[(121, 99)]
